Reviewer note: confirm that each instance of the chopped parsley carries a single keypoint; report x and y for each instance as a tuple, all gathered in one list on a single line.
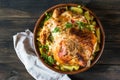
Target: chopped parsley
[(48, 16), (51, 60), (56, 29), (92, 27), (44, 49), (81, 25), (44, 56), (50, 37), (68, 25), (48, 59)]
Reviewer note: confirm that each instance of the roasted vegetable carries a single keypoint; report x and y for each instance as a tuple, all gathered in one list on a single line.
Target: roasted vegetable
[(69, 68), (98, 34), (77, 9)]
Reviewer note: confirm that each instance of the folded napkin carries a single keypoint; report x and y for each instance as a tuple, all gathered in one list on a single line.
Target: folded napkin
[(23, 44)]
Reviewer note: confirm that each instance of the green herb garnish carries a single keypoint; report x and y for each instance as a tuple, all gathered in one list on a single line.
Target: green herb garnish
[(44, 49), (50, 38), (81, 25), (68, 25), (51, 60), (48, 16), (88, 16), (48, 59), (56, 29), (44, 56), (92, 27)]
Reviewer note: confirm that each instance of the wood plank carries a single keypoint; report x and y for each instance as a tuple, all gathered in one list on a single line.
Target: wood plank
[(99, 72), (104, 4), (27, 9), (8, 72)]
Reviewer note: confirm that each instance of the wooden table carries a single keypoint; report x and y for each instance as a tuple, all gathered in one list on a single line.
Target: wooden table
[(18, 15)]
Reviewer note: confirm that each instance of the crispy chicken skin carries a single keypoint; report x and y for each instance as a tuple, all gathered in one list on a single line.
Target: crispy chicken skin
[(75, 50)]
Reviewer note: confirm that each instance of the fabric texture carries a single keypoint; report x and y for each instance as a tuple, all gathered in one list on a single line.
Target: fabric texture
[(23, 45)]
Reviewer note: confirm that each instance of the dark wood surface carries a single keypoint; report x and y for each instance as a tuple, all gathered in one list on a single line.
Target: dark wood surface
[(18, 15)]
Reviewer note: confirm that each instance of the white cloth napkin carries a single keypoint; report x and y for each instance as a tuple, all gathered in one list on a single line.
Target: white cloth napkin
[(23, 44)]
